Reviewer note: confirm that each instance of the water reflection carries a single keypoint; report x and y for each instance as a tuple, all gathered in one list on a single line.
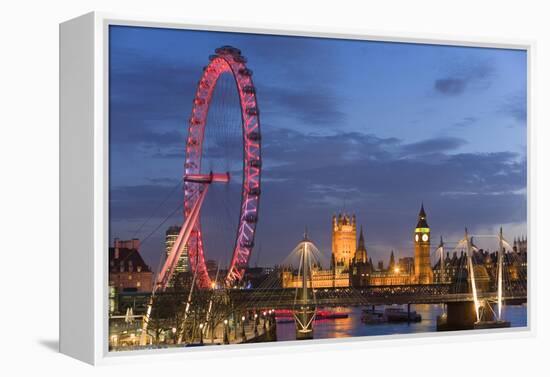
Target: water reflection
[(352, 326)]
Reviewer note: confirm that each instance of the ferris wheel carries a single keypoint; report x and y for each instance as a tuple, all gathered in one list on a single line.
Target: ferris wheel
[(227, 61)]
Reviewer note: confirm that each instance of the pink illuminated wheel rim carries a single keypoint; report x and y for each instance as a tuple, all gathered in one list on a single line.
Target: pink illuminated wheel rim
[(226, 60)]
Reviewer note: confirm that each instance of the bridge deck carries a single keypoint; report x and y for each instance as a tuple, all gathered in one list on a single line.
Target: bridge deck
[(280, 298), (374, 295)]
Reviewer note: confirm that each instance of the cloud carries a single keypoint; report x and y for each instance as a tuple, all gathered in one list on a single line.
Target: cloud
[(307, 177), (292, 59), (294, 149), (150, 100), (465, 122), (464, 189), (450, 86), (313, 106), (468, 75), (434, 145), (515, 106), (375, 167)]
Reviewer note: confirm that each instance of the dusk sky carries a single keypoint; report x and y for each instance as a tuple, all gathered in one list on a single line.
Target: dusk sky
[(371, 128)]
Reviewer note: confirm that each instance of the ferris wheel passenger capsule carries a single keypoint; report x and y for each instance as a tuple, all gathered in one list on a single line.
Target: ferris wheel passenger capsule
[(247, 244), (254, 136), (252, 111), (239, 59), (245, 72), (251, 218), (255, 191), (256, 163)]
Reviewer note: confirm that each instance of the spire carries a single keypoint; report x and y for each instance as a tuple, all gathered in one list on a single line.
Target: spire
[(361, 253), (361, 245), (422, 223), (422, 212)]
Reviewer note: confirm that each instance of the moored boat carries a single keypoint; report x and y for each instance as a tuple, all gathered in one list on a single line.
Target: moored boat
[(390, 314), (372, 316), (398, 314)]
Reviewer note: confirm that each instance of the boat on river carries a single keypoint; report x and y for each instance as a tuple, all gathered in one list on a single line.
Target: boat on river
[(390, 315), (286, 316)]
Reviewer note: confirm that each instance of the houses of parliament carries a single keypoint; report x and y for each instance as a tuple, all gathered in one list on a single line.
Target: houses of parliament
[(352, 266)]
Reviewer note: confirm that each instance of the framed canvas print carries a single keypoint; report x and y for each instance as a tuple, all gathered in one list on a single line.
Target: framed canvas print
[(232, 188)]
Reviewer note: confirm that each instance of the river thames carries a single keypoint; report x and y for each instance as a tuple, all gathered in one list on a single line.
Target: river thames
[(353, 326)]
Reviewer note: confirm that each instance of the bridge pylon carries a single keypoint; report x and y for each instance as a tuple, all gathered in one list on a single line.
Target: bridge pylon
[(304, 299)]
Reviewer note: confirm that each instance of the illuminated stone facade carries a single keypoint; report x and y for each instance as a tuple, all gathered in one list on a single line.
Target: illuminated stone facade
[(344, 241), (407, 270), (520, 244), (321, 279), (127, 270), (361, 266), (423, 273), (351, 264), (390, 277), (344, 246)]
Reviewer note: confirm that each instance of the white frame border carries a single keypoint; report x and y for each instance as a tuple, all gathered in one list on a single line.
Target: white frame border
[(101, 187)]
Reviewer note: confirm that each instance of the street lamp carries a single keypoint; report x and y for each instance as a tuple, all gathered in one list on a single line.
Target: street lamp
[(243, 334), (200, 331), (174, 334), (273, 318), (225, 333), (255, 324)]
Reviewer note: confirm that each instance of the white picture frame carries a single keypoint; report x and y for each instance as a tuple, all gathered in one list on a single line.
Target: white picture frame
[(84, 187)]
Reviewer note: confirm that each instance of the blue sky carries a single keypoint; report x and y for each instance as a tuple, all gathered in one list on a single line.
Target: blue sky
[(373, 128)]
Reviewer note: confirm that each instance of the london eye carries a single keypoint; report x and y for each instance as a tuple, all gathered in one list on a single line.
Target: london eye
[(219, 154)]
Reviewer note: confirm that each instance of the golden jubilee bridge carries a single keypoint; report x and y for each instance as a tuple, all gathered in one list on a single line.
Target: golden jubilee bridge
[(284, 298), (260, 299)]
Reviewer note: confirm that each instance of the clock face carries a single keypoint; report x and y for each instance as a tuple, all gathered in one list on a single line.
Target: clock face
[(416, 237), (425, 237)]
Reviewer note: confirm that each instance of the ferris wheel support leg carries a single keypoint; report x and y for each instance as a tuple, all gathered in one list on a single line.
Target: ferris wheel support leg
[(145, 323), (167, 270), (183, 236)]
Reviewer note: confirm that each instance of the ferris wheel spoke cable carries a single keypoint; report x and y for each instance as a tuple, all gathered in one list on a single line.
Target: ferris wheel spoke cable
[(223, 226), (223, 127), (150, 234), (158, 207), (170, 215)]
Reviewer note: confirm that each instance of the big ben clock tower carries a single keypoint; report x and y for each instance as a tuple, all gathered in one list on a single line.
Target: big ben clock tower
[(422, 267)]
